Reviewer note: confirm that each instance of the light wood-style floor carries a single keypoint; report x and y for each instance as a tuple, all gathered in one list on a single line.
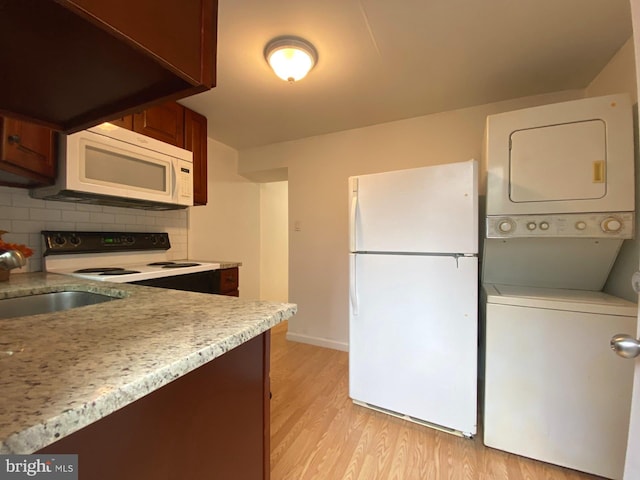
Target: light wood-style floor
[(318, 433)]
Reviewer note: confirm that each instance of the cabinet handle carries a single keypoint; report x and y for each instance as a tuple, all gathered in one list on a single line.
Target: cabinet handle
[(16, 140)]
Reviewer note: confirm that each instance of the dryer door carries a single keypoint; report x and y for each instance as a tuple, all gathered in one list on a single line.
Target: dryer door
[(570, 157), (558, 162)]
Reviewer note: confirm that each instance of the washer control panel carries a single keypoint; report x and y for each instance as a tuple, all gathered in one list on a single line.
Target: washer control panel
[(591, 225)]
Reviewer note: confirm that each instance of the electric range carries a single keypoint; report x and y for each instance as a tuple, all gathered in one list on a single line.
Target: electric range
[(120, 257)]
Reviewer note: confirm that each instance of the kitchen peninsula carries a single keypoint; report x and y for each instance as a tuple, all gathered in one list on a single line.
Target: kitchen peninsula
[(156, 383)]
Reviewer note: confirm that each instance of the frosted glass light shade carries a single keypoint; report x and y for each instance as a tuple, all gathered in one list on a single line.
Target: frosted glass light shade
[(290, 58)]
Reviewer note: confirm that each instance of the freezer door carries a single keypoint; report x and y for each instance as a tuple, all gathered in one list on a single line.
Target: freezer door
[(413, 337), (428, 209)]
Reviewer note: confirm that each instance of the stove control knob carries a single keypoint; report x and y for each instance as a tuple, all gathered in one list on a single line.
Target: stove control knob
[(611, 225), (531, 225), (581, 225), (74, 240), (163, 240), (544, 225), (59, 240), (130, 240), (506, 225)]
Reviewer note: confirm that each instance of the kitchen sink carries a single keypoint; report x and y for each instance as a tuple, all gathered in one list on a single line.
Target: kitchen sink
[(49, 303)]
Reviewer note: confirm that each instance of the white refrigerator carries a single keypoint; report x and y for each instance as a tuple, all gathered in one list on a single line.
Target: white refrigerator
[(413, 324)]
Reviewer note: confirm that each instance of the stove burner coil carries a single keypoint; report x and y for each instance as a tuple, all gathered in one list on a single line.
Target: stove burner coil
[(99, 270), (180, 265), (121, 271), (173, 264)]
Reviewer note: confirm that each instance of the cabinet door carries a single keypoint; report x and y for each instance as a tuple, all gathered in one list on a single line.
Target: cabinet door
[(163, 122), (195, 131), (102, 58), (229, 282), (212, 423), (124, 122), (171, 29), (27, 154)]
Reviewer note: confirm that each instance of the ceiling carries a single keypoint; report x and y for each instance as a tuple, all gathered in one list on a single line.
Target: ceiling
[(382, 60)]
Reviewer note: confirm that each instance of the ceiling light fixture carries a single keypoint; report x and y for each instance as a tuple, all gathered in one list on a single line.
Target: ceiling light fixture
[(291, 58)]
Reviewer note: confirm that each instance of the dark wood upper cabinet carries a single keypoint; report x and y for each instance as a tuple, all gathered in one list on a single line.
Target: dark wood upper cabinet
[(195, 130), (27, 154), (169, 29), (124, 122), (71, 64), (163, 122)]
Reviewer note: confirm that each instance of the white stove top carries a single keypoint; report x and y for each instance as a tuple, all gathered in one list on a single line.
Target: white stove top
[(137, 262), (140, 272), (127, 255)]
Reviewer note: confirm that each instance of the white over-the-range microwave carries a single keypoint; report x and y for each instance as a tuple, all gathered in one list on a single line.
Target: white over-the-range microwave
[(110, 165)]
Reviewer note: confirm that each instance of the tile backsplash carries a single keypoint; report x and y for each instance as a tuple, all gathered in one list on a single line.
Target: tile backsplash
[(24, 217)]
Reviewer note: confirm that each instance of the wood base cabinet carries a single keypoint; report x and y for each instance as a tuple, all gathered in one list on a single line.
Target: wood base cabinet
[(212, 423), (228, 282)]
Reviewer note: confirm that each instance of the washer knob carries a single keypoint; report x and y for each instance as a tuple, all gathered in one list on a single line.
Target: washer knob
[(581, 225), (531, 226), (506, 226), (611, 225), (544, 226)]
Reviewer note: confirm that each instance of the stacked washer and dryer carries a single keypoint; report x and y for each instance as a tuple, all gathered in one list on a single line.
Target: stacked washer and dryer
[(560, 202)]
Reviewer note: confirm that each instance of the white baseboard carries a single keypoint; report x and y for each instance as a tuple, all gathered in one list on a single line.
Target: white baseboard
[(317, 341)]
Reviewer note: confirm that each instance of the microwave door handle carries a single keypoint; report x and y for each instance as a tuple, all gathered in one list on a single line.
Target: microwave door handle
[(174, 180)]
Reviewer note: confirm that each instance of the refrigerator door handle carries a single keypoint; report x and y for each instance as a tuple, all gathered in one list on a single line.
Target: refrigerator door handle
[(353, 214), (353, 287)]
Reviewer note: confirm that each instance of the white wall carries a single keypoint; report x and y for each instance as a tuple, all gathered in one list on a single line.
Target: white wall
[(274, 241), (619, 76), (318, 168), (24, 217), (228, 227)]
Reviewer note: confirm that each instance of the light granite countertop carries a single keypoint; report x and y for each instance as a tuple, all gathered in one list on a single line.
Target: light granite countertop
[(62, 371)]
